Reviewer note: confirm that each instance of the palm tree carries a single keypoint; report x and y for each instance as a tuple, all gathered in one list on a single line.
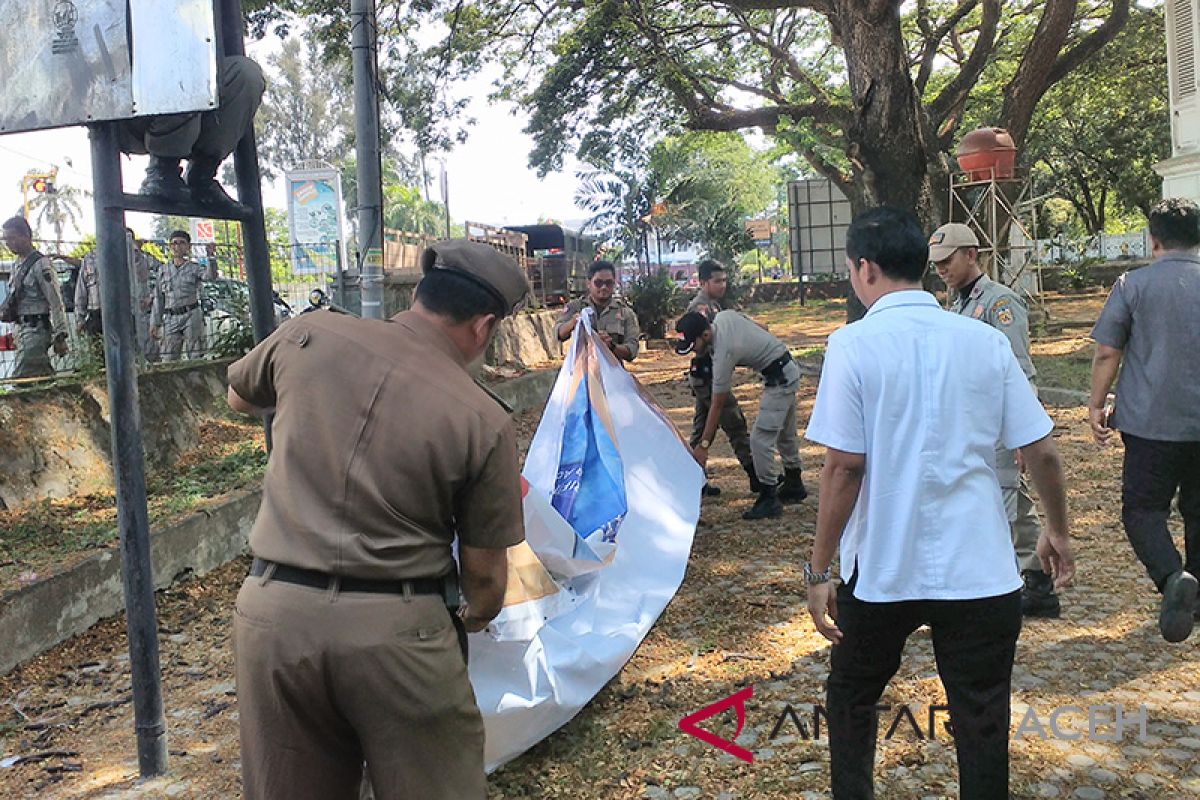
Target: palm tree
[(58, 209), (618, 202)]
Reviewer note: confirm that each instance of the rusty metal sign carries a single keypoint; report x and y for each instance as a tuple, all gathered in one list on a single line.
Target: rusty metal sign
[(70, 62)]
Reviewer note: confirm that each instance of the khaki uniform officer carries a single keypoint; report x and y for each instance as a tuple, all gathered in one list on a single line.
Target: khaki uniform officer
[(954, 249), (614, 321), (735, 340), (40, 318), (709, 302), (346, 650), (176, 314)]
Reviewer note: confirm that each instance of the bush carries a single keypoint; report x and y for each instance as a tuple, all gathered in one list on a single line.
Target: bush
[(655, 298)]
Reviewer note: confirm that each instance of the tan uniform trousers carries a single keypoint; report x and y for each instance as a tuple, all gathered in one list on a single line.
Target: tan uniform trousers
[(775, 428), (328, 680), (183, 336), (732, 421), (1023, 521), (33, 351)]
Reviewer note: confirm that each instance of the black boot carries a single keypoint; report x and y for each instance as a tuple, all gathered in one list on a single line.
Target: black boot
[(163, 180), (1037, 597), (767, 506), (202, 181), (1176, 615), (792, 489), (756, 486)]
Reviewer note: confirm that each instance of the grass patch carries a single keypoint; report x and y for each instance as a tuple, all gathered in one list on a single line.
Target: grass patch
[(39, 537), (1072, 371)]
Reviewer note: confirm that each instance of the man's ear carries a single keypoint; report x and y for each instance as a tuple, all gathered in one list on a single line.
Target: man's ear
[(483, 326)]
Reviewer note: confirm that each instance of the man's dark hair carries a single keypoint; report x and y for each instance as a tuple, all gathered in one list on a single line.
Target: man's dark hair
[(600, 266), (451, 294), (891, 238), (707, 267), (180, 235), (18, 224), (1175, 223)]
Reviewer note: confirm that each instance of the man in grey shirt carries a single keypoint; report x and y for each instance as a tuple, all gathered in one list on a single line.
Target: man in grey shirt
[(1149, 329), (735, 340)]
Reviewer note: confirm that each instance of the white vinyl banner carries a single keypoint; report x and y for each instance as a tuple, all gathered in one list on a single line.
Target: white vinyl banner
[(612, 497)]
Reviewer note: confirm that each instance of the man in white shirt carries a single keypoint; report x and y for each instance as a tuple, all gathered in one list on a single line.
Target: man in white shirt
[(910, 413)]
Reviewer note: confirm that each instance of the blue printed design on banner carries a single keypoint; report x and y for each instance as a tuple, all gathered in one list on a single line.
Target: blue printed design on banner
[(589, 490)]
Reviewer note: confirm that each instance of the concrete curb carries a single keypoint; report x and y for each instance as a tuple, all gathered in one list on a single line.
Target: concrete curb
[(39, 616)]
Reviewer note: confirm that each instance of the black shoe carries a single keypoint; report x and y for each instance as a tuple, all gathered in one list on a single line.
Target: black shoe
[(792, 490), (211, 196), (1176, 615), (767, 506), (163, 181), (201, 179), (711, 491), (756, 486), (1037, 597)]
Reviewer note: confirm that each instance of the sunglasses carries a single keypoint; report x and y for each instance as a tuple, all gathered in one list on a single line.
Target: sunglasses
[(604, 284)]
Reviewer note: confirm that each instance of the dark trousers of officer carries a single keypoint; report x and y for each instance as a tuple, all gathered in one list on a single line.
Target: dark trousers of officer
[(328, 680), (974, 642), (732, 421), (1153, 471)]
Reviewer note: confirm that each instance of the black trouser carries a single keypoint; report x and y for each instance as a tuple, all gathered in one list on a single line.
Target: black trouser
[(1153, 471), (974, 642)]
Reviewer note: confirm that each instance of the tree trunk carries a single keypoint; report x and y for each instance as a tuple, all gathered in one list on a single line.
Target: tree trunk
[(891, 159)]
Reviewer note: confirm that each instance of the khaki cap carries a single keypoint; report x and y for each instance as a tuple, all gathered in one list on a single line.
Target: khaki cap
[(487, 266), (948, 238)]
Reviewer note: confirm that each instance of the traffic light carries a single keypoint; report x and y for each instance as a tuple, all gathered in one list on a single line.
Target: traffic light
[(39, 185)]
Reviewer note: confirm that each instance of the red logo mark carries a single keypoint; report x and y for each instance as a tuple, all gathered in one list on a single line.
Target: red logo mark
[(738, 701)]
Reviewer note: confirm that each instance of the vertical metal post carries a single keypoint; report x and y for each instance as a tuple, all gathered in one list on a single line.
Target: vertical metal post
[(128, 467), (446, 198), (249, 186), (367, 162)]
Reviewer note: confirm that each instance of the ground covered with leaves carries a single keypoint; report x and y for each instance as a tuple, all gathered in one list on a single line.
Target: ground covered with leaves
[(738, 620)]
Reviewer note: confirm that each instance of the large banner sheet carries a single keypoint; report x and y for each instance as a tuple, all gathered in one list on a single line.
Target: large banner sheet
[(612, 497)]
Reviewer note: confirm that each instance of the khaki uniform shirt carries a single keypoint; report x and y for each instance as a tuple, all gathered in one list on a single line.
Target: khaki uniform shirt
[(144, 266), (1003, 309), (738, 341), (87, 287), (705, 305), (384, 449), (40, 293), (617, 320), (177, 286)]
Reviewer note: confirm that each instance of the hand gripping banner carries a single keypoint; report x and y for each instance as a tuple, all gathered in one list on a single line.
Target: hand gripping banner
[(612, 497)]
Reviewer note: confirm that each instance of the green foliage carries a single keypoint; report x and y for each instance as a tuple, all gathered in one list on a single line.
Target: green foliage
[(235, 334), (655, 298), (307, 113), (1100, 131)]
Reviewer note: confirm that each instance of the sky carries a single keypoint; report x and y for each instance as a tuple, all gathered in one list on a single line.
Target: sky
[(490, 180)]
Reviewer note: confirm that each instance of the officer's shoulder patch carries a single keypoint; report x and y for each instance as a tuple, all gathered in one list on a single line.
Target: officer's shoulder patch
[(977, 313), (1004, 316)]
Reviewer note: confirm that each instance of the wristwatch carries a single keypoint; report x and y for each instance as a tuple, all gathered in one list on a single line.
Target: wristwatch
[(706, 443), (814, 578)]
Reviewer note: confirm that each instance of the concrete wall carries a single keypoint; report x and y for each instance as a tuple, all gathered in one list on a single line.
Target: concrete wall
[(37, 617), (54, 441)]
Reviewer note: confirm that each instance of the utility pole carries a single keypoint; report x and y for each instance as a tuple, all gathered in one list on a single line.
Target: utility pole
[(368, 165), (446, 197)]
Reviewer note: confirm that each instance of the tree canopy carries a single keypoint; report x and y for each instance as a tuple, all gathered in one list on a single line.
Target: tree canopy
[(872, 93)]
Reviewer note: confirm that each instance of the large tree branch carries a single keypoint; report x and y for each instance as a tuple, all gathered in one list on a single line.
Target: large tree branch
[(1032, 77), (767, 117), (934, 37), (824, 6), (1091, 43), (955, 92)]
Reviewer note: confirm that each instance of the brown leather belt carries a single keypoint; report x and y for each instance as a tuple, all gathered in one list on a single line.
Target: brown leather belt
[(321, 580), (177, 310)]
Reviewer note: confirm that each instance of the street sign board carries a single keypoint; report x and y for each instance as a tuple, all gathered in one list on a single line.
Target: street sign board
[(314, 218), (71, 62), (203, 231)]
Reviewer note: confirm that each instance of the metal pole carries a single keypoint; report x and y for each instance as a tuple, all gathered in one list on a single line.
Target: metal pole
[(367, 163), (129, 473), (249, 186), (446, 198)]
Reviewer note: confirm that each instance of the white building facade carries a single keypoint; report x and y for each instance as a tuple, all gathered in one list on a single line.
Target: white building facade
[(1181, 172)]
